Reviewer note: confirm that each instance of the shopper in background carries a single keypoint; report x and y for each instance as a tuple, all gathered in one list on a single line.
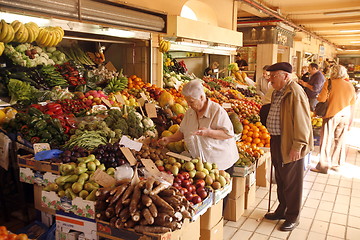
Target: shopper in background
[(305, 75), (289, 124), (242, 64), (264, 89), (211, 123), (213, 70), (262, 83), (314, 85), (337, 120)]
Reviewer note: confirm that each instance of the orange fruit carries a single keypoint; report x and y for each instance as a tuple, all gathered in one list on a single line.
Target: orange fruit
[(256, 140), (256, 135), (250, 134), (243, 137), (246, 122), (245, 131), (267, 141), (261, 151), (262, 128), (253, 145), (267, 145), (255, 129), (260, 144), (258, 124), (248, 139), (251, 124)]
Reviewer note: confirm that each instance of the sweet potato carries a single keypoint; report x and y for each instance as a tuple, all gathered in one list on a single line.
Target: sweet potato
[(178, 216), (185, 213), (149, 185), (172, 201), (110, 212), (151, 229), (153, 210), (129, 190), (158, 189), (124, 214), (135, 198), (120, 190), (162, 218), (159, 202), (173, 225), (100, 206), (146, 200), (167, 192), (136, 216), (102, 216), (147, 216), (103, 193), (126, 202), (129, 223), (122, 181)]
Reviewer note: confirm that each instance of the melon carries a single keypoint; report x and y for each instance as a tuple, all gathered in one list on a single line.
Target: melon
[(238, 127), (166, 99), (178, 109)]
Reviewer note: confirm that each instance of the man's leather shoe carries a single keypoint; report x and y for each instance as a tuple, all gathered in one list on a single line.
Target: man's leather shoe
[(289, 226), (274, 216)]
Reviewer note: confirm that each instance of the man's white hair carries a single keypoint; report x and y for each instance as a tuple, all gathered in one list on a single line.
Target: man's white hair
[(193, 89)]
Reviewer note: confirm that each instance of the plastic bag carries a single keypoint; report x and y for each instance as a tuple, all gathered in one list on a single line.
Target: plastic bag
[(123, 171), (48, 154)]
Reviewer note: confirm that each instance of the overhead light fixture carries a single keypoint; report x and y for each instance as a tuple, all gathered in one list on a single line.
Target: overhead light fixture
[(10, 17), (355, 42), (117, 32), (340, 49), (225, 48), (191, 44), (350, 31), (346, 23), (352, 50), (342, 12)]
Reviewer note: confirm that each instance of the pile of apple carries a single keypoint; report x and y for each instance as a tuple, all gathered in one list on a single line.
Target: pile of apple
[(194, 178)]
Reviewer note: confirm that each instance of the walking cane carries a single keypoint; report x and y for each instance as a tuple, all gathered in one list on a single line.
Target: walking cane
[(271, 171)]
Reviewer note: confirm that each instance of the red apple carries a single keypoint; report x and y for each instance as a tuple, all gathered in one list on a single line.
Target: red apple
[(186, 175), (161, 168), (200, 183), (180, 176), (191, 188), (185, 183), (203, 194), (188, 196), (177, 180), (196, 199), (176, 185), (200, 189)]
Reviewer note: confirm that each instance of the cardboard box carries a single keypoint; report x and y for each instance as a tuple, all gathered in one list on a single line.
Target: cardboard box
[(43, 166), (242, 171), (238, 187), (78, 206), (201, 208), (31, 176), (215, 233), (191, 231), (234, 208), (37, 201), (261, 175), (221, 193), (104, 230), (212, 216), (67, 236), (250, 179), (67, 222), (250, 196), (26, 175)]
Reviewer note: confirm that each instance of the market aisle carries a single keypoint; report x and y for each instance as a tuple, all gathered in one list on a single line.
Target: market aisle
[(331, 203)]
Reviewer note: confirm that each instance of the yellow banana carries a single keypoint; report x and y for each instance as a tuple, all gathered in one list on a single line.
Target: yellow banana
[(31, 32), (10, 34), (49, 39), (16, 25), (41, 35), (2, 48), (19, 33), (25, 35), (57, 37), (61, 31), (52, 39), (4, 30), (167, 48)]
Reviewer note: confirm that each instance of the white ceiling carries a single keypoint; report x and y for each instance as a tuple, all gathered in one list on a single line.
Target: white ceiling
[(312, 16)]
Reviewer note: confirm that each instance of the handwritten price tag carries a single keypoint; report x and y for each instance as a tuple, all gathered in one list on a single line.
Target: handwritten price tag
[(107, 103), (150, 109), (103, 179), (39, 147), (128, 155), (127, 142), (226, 105), (179, 156), (120, 99)]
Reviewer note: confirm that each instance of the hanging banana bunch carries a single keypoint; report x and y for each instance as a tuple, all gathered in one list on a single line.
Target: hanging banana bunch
[(2, 48), (164, 46), (7, 32), (50, 36)]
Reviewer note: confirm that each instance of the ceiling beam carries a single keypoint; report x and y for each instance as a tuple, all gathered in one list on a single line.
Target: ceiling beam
[(277, 15), (316, 7)]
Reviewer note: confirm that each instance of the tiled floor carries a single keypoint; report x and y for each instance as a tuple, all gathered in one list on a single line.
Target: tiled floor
[(331, 204)]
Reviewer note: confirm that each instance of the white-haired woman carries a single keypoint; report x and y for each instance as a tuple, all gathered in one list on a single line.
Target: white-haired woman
[(210, 121), (337, 120)]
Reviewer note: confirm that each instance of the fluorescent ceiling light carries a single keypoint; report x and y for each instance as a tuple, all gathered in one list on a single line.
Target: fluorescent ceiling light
[(350, 31), (355, 42), (10, 17), (352, 50), (193, 44), (340, 49), (346, 23), (225, 48), (118, 33), (342, 12)]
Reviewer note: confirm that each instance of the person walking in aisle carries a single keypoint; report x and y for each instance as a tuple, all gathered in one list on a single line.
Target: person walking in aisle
[(314, 85), (289, 124), (242, 64), (337, 120)]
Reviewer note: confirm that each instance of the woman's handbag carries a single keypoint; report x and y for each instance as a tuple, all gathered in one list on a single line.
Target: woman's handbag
[(321, 107)]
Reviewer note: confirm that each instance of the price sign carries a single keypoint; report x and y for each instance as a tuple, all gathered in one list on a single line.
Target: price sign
[(150, 166), (226, 105), (143, 96), (103, 179), (120, 99), (110, 66), (127, 142), (128, 155), (179, 156), (150, 109), (141, 101), (39, 147), (107, 103)]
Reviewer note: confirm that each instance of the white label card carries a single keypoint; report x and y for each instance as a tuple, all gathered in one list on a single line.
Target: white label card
[(120, 99), (39, 147), (179, 156), (141, 101), (143, 96), (150, 109), (226, 105), (107, 103), (150, 166), (103, 179), (127, 142), (129, 156)]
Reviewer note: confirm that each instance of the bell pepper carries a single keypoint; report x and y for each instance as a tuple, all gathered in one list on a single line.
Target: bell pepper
[(40, 125), (24, 130), (46, 134), (34, 112), (57, 124), (35, 140), (32, 132)]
